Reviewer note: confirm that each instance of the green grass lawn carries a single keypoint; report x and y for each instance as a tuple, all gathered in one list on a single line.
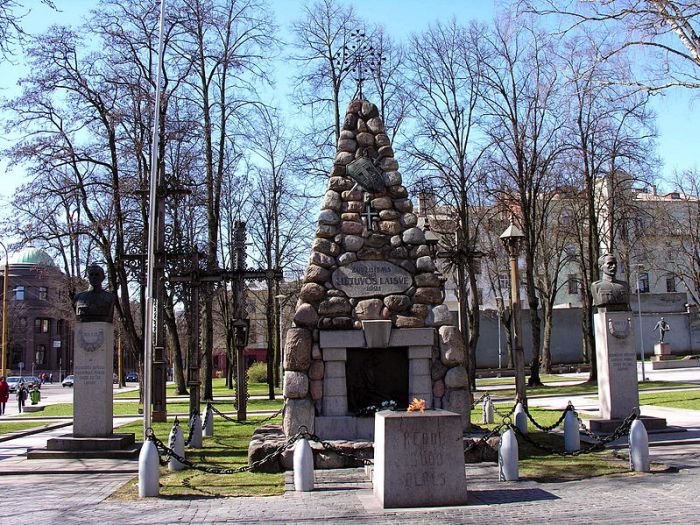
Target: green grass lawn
[(128, 408), (580, 388), (6, 428), (228, 449), (219, 389), (546, 378), (683, 399)]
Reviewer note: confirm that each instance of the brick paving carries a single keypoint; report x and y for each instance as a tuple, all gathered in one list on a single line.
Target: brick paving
[(345, 496)]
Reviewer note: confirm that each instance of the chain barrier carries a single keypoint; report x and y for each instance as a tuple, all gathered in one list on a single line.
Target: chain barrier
[(484, 438), (191, 426), (303, 432), (255, 422), (170, 453), (551, 427), (483, 396)]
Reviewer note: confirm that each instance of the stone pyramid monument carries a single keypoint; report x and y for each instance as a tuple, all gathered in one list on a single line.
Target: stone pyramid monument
[(370, 325)]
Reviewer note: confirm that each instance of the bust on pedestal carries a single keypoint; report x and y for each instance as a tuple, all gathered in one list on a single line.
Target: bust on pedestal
[(93, 358), (614, 337)]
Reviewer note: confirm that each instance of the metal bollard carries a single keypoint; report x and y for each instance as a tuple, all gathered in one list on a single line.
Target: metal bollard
[(572, 436), (487, 409), (177, 443), (303, 466), (196, 426), (208, 427), (149, 470), (520, 418), (639, 447), (508, 457)]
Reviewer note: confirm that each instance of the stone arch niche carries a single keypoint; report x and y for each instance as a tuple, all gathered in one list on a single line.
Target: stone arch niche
[(371, 297)]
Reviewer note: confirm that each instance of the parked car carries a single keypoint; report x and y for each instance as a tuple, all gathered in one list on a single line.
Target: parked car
[(28, 381), (68, 381), (132, 377), (13, 381), (32, 381)]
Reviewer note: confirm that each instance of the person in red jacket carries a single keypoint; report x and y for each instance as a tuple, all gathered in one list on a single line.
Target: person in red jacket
[(4, 394)]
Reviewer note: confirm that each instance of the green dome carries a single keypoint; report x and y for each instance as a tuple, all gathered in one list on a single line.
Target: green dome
[(31, 255)]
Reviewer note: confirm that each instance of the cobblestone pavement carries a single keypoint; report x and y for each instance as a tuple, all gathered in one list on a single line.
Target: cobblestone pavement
[(345, 496)]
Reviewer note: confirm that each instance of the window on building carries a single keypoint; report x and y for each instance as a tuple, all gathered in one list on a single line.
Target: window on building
[(16, 355), (644, 282), (565, 218), (42, 325), (573, 284), (670, 283), (19, 293), (43, 293), (504, 281), (60, 326), (40, 354)]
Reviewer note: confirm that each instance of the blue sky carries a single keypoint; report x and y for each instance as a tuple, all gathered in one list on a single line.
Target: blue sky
[(678, 129)]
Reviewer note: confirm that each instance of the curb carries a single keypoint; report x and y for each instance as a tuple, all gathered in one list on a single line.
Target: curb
[(32, 431)]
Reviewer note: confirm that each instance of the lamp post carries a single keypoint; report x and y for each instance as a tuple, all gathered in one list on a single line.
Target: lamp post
[(280, 298), (6, 278), (499, 307), (512, 238), (241, 329), (639, 314)]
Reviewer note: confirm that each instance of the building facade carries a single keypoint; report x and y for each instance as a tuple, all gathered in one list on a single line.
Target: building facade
[(40, 317)]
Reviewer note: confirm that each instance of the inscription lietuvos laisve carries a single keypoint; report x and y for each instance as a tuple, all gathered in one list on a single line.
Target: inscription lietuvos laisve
[(363, 278)]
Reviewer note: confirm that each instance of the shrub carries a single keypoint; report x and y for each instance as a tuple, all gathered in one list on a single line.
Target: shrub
[(257, 373)]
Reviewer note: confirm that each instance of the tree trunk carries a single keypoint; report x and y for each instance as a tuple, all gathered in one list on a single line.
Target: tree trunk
[(547, 338)]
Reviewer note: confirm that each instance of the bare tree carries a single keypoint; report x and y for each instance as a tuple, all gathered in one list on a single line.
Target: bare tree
[(521, 89), (11, 31), (278, 221), (227, 43), (445, 80), (664, 29)]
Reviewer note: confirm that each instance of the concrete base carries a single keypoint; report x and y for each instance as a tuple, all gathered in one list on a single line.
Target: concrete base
[(608, 426), (33, 408), (419, 459), (674, 363), (344, 427), (116, 446)]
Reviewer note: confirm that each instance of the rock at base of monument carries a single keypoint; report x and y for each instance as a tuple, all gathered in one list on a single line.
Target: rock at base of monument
[(665, 364), (608, 426), (116, 446), (419, 459), (270, 438), (344, 427)]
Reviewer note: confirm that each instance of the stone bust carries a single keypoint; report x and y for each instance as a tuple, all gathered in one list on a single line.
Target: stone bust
[(610, 294), (95, 304)]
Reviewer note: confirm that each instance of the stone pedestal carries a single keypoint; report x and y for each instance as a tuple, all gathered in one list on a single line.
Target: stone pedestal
[(662, 352), (93, 367), (419, 459), (618, 392)]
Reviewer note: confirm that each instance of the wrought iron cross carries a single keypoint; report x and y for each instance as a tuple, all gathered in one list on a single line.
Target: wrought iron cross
[(360, 57), (370, 213)]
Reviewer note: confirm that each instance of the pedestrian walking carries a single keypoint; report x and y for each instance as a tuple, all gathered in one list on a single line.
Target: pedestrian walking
[(51, 378), (4, 394), (22, 395)]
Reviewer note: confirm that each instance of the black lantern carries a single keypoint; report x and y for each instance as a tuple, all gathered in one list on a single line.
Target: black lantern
[(241, 330)]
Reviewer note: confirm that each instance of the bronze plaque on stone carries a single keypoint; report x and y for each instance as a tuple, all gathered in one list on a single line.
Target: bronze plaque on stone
[(371, 278)]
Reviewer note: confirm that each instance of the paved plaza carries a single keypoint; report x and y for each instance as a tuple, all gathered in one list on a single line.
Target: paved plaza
[(71, 491)]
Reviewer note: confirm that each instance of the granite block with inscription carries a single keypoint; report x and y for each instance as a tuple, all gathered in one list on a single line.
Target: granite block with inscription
[(419, 459), (93, 368), (618, 392)]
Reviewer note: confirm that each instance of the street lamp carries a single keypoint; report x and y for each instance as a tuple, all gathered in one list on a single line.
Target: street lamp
[(639, 313), (3, 370), (512, 238), (499, 307), (241, 330), (280, 298)]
